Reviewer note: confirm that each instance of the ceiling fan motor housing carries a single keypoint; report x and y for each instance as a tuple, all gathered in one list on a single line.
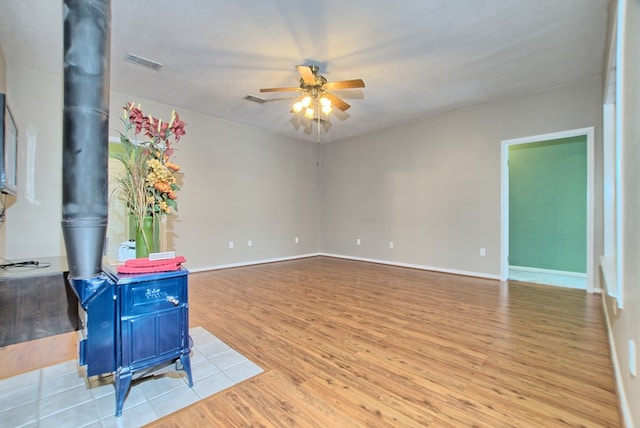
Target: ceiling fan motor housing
[(316, 86)]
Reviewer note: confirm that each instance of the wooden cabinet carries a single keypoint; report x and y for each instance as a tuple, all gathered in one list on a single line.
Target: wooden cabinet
[(36, 301)]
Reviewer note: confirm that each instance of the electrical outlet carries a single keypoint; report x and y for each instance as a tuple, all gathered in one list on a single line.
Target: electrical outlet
[(230, 244), (483, 252), (391, 244), (297, 240), (249, 243), (357, 241)]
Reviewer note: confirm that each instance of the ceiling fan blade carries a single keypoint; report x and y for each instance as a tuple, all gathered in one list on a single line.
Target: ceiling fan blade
[(344, 84), (290, 89), (306, 73), (337, 102)]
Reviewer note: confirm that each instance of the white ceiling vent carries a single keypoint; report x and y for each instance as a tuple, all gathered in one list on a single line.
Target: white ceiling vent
[(255, 99), (143, 62)]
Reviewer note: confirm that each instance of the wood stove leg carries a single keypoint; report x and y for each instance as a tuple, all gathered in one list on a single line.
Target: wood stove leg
[(123, 381), (185, 360)]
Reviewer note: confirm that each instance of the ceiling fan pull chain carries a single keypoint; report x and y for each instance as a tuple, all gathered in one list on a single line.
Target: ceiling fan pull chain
[(318, 145)]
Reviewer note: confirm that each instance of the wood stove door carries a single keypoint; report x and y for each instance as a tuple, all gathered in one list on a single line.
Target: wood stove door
[(153, 326), (154, 320), (153, 338)]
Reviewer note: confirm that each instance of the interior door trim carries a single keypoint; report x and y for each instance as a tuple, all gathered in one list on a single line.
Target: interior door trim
[(504, 190)]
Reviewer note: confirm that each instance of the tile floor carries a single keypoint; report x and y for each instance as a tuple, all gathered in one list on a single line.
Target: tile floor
[(62, 396)]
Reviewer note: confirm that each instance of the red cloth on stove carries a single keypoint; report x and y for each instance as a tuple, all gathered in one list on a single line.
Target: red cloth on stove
[(144, 265)]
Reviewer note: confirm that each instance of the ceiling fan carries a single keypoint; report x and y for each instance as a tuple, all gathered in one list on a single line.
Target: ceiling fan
[(314, 91)]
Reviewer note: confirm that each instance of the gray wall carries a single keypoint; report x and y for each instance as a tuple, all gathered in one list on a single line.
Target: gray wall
[(32, 224), (239, 183), (3, 73), (433, 186), (625, 323)]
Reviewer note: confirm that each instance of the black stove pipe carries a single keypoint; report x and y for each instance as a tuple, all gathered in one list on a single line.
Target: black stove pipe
[(87, 34)]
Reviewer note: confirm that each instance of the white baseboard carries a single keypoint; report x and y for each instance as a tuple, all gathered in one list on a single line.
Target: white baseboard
[(414, 266), (610, 276), (341, 256), (622, 397), (577, 280), (548, 271), (253, 262)]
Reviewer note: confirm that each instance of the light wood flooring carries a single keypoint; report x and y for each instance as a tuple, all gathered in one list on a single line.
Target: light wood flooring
[(350, 344)]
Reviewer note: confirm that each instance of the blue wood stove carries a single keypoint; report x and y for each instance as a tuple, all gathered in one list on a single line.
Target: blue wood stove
[(133, 322)]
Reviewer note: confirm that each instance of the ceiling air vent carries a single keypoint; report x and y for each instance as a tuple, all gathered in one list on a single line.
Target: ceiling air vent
[(143, 62), (255, 99)]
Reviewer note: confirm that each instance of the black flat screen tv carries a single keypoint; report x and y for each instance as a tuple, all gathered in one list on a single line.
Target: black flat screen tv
[(8, 149)]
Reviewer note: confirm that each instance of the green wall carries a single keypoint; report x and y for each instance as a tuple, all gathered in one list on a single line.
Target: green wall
[(548, 204)]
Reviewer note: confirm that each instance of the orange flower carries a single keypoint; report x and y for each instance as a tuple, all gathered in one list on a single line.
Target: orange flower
[(162, 186), (147, 161), (172, 166)]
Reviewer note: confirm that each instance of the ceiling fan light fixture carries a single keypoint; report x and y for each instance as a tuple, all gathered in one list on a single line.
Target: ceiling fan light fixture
[(309, 113), (315, 101), (326, 105), (325, 102), (297, 106)]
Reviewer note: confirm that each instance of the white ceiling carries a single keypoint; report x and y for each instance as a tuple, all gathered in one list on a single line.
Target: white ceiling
[(417, 57)]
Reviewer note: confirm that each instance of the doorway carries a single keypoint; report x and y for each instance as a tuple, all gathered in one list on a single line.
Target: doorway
[(552, 264)]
